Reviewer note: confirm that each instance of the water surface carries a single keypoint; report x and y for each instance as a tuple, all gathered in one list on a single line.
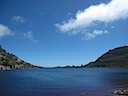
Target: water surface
[(63, 82)]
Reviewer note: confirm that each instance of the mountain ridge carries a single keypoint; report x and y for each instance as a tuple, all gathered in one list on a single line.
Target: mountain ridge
[(9, 61), (117, 57)]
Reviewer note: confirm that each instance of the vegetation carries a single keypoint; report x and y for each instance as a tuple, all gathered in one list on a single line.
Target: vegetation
[(10, 61), (117, 57)]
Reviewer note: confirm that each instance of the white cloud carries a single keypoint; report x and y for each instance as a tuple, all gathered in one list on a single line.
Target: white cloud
[(92, 35), (4, 30), (113, 11), (29, 35), (18, 19)]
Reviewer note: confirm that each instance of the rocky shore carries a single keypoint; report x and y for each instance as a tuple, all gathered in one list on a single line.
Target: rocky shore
[(120, 93)]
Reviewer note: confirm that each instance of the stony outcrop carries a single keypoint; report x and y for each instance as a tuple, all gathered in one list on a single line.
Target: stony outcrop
[(117, 57), (9, 61), (120, 93)]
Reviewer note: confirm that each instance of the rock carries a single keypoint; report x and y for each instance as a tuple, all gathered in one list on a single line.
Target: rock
[(2, 67), (120, 93), (9, 61), (8, 68)]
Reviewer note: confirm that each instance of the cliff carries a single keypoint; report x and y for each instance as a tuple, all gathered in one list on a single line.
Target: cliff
[(117, 57), (9, 61)]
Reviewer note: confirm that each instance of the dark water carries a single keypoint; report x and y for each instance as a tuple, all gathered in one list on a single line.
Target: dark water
[(62, 82)]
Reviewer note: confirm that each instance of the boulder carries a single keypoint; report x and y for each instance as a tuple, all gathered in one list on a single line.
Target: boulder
[(120, 93)]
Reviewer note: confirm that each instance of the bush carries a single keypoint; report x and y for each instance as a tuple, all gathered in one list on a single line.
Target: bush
[(6, 64)]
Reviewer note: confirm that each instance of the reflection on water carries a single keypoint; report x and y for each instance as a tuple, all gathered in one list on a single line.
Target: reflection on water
[(62, 82)]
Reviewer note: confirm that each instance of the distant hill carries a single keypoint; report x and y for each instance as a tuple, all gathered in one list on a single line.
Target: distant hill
[(9, 61), (117, 57)]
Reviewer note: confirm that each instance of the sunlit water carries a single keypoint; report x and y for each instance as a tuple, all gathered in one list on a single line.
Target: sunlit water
[(63, 82)]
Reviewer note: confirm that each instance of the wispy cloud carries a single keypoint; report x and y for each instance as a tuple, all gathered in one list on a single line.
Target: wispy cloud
[(4, 31), (92, 35), (18, 19), (69, 13), (113, 11), (29, 35)]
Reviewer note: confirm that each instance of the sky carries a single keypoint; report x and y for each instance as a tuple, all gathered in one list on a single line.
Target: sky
[(62, 32)]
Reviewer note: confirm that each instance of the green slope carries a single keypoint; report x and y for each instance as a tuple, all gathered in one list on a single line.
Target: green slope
[(117, 57)]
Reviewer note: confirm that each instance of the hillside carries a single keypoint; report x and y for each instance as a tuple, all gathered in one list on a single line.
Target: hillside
[(9, 61), (117, 57)]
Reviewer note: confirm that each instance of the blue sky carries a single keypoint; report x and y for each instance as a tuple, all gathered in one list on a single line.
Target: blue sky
[(62, 32)]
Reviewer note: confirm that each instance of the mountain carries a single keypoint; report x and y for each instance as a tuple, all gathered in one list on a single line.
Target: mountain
[(9, 61), (117, 57)]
